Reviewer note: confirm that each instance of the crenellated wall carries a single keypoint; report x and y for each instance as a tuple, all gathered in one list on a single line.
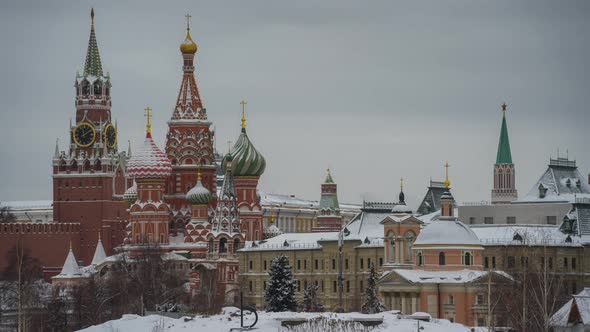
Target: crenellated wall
[(47, 242)]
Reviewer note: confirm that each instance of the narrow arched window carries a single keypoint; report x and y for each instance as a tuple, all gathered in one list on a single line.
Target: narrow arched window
[(467, 258), (211, 245), (420, 259), (236, 245), (441, 258), (222, 245)]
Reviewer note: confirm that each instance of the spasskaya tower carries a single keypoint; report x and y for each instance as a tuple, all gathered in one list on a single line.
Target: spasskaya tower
[(89, 176)]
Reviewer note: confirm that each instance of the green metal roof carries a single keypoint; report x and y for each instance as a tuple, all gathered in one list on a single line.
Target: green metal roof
[(504, 155), (92, 66)]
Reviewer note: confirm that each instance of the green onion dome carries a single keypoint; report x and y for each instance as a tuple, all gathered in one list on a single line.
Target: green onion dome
[(247, 161), (198, 195)]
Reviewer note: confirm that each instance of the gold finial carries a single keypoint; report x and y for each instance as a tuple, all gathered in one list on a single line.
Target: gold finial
[(504, 106), (148, 114), (70, 244), (99, 236), (92, 15), (243, 103), (188, 21), (447, 181), (401, 184), (199, 172)]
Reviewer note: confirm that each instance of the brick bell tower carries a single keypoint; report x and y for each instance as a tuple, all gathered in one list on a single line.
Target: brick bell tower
[(89, 177), (189, 142)]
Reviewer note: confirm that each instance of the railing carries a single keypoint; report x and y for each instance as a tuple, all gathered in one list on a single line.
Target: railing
[(291, 246), (481, 203), (582, 200), (543, 242), (229, 256)]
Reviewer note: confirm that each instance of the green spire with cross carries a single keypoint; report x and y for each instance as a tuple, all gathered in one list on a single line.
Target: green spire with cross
[(504, 155), (92, 66)]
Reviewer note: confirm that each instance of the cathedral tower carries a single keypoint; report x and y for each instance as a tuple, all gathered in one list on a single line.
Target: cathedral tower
[(150, 216), (504, 173), (189, 141), (89, 177), (247, 166)]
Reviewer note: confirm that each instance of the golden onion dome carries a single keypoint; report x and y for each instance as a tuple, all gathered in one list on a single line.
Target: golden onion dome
[(188, 46)]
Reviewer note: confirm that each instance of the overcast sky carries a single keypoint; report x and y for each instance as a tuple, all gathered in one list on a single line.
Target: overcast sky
[(376, 90)]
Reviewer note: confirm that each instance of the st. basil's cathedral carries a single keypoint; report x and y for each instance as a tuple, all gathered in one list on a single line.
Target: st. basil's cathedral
[(110, 203)]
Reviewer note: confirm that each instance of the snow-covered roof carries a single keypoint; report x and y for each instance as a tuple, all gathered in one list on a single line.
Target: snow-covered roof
[(99, 254), (447, 232), (70, 268), (561, 318), (443, 277), (280, 200), (366, 227), (149, 161), (27, 205), (291, 241), (523, 234), (561, 181)]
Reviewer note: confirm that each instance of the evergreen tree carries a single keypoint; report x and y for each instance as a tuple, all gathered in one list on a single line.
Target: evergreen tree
[(280, 292), (310, 302), (372, 303)]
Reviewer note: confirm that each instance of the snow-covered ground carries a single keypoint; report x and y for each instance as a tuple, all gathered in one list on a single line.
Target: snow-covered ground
[(270, 322)]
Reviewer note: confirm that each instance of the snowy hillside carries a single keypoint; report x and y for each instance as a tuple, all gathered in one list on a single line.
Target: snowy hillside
[(270, 322)]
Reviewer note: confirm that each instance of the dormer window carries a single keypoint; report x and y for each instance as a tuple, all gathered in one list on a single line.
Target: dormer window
[(568, 183), (542, 191), (578, 183), (517, 237)]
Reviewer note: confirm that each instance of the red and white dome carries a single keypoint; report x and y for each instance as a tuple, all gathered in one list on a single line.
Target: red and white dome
[(150, 162)]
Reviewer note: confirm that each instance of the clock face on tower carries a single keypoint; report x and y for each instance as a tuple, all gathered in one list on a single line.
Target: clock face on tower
[(84, 134), (110, 135)]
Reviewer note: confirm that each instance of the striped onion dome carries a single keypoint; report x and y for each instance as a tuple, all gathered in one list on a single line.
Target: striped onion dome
[(198, 195), (130, 195), (247, 161), (150, 162)]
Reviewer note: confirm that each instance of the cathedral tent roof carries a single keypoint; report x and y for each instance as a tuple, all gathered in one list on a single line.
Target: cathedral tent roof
[(149, 162)]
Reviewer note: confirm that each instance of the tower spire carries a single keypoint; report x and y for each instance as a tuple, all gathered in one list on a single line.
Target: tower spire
[(447, 181), (92, 66), (148, 126), (243, 103), (504, 155)]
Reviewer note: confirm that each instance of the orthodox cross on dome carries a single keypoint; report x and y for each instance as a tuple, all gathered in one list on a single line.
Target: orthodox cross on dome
[(401, 184), (447, 181), (148, 115), (243, 103), (198, 172), (188, 21)]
